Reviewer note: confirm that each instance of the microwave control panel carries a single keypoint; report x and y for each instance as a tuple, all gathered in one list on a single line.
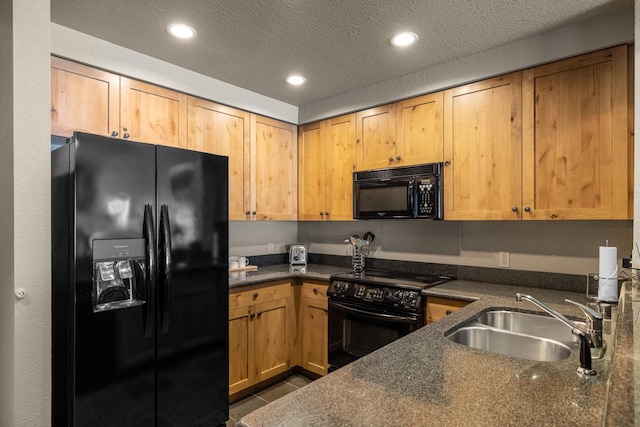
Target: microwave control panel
[(426, 197)]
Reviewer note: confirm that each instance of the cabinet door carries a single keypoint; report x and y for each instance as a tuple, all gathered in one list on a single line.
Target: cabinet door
[(222, 130), (241, 349), (376, 133), (419, 130), (576, 152), (482, 151), (153, 114), (274, 153), (311, 172), (314, 335), (272, 338), (340, 165), (84, 99)]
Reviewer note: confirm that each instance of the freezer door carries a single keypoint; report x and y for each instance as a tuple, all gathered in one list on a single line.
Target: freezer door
[(114, 352), (193, 288)]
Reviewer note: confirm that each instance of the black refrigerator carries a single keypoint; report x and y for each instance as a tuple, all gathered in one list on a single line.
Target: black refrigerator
[(139, 285)]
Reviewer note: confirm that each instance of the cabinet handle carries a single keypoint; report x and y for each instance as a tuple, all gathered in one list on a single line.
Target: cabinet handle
[(315, 290), (391, 159), (527, 209), (254, 212), (398, 157), (447, 163), (255, 295), (514, 209), (321, 213), (326, 213), (114, 133), (259, 313), (252, 315), (126, 135), (448, 312)]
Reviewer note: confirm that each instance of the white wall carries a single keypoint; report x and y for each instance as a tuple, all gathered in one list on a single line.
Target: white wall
[(552, 246), (83, 48), (25, 325), (564, 42)]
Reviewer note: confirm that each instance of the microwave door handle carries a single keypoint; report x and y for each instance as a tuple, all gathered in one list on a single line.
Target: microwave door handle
[(413, 206), (373, 315)]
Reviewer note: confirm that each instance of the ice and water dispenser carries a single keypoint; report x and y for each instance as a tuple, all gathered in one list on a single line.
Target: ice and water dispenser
[(118, 273)]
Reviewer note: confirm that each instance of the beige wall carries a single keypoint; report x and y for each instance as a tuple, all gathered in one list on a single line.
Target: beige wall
[(25, 325)]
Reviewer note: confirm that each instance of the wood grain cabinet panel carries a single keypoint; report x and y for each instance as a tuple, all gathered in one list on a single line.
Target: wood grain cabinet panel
[(419, 130), (576, 140), (314, 327), (326, 162), (437, 308), (84, 99), (274, 154), (218, 129), (483, 149), (376, 137)]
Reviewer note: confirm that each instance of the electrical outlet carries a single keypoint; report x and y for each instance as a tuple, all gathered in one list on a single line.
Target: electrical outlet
[(503, 259), (270, 248)]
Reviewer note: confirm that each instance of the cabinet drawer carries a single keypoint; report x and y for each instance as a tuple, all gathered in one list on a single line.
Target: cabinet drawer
[(314, 291), (437, 308), (271, 292)]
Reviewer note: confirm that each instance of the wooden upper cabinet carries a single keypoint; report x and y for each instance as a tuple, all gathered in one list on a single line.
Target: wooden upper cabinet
[(482, 149), (340, 165), (326, 162), (153, 114), (274, 154), (225, 131), (376, 137), (312, 185), (84, 99), (577, 154), (419, 130)]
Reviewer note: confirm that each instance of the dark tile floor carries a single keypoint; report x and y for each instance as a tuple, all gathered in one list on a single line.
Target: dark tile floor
[(242, 407)]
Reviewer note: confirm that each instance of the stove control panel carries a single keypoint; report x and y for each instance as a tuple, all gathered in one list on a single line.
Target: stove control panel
[(372, 294)]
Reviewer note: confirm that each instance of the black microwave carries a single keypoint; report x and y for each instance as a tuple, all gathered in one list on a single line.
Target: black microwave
[(404, 192)]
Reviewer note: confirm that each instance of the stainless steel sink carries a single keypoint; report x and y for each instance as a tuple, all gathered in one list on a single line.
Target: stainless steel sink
[(517, 334)]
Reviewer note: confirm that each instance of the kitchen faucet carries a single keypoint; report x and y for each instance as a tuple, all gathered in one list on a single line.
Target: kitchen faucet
[(586, 341)]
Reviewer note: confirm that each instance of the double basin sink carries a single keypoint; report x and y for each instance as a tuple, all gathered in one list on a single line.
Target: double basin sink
[(517, 334)]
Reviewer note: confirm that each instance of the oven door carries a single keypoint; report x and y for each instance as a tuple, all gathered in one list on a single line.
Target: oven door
[(356, 330)]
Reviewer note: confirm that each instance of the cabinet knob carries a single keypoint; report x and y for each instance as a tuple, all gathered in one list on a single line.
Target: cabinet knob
[(252, 315), (255, 295), (527, 209), (514, 209), (259, 313), (398, 157), (126, 135), (321, 213), (447, 163), (254, 212), (327, 213), (391, 159), (448, 312), (247, 213), (114, 133), (315, 290)]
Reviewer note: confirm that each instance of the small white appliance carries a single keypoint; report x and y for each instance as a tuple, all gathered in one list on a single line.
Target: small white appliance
[(298, 255)]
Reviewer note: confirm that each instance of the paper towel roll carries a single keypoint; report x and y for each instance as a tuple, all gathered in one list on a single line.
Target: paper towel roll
[(608, 273)]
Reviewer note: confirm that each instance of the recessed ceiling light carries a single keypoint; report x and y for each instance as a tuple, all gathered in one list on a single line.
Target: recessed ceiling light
[(404, 39), (181, 31), (295, 80)]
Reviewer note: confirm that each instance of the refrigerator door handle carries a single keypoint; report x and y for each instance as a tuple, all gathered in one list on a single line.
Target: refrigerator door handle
[(165, 267), (149, 235)]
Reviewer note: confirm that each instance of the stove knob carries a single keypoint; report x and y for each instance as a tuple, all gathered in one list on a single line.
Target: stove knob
[(410, 296), (397, 295)]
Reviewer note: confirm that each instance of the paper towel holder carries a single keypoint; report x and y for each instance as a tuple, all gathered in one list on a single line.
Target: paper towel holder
[(594, 277)]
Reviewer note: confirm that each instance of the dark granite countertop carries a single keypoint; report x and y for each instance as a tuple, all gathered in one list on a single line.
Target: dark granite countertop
[(425, 379)]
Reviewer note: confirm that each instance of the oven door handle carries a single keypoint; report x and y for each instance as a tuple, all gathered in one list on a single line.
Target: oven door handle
[(392, 317)]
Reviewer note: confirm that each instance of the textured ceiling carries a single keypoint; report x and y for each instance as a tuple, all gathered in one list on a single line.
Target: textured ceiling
[(339, 45)]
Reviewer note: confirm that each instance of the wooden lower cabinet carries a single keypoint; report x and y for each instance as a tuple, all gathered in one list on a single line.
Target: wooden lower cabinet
[(262, 326), (314, 327), (437, 308)]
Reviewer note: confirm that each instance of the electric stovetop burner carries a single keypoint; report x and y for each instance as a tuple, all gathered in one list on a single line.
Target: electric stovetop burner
[(395, 278)]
